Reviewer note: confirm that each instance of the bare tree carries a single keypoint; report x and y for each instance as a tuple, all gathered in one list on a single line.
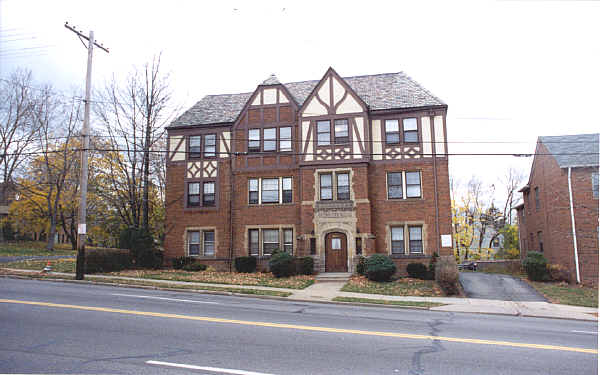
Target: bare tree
[(17, 128), (134, 114), (513, 179)]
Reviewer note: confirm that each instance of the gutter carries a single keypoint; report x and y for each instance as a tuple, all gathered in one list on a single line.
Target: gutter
[(573, 228)]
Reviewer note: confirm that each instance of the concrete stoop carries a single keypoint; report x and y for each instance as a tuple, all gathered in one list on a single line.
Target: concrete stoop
[(333, 276)]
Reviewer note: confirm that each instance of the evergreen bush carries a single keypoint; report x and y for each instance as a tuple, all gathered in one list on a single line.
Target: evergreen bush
[(417, 271), (535, 266), (106, 260), (380, 267), (245, 264), (282, 265), (304, 265), (195, 267), (361, 266)]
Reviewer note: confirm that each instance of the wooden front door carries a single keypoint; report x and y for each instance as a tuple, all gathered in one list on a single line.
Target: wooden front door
[(336, 252)]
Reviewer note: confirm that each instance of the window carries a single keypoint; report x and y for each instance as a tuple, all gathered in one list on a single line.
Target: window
[(195, 142), (415, 240), (595, 188), (270, 136), (537, 198), (266, 190), (326, 187), (323, 133), (286, 190), (201, 243), (210, 142), (392, 131), (254, 140), (411, 133), (313, 246), (413, 184), (254, 245), (358, 245), (270, 190), (396, 182), (208, 196), (270, 240), (340, 131), (343, 186), (253, 191), (285, 139), (395, 190), (193, 243), (288, 240), (540, 241), (397, 240), (209, 243), (193, 194)]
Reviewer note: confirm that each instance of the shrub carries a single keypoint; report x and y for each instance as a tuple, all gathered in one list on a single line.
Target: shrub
[(557, 272), (149, 258), (179, 262), (106, 260), (141, 247), (282, 265), (195, 267), (245, 264), (446, 274), (304, 265), (380, 267), (431, 267), (361, 266), (535, 266), (417, 271)]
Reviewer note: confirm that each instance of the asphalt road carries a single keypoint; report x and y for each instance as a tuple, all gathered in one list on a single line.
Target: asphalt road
[(102, 329), (497, 286)]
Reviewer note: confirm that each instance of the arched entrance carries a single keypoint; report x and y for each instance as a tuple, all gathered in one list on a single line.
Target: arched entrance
[(336, 252)]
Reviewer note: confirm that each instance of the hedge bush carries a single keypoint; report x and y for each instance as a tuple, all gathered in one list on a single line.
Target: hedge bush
[(380, 267), (106, 260), (195, 267), (535, 266), (557, 272), (245, 264), (304, 265), (179, 262), (446, 274), (361, 266), (282, 265), (431, 267), (417, 271), (141, 247)]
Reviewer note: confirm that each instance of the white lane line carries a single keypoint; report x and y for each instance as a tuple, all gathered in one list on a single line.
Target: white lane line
[(213, 369), (166, 299), (588, 332)]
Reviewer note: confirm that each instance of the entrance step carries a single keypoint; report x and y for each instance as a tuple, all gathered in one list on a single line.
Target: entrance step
[(333, 276)]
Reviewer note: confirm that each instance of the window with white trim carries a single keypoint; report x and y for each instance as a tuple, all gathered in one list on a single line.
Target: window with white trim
[(406, 239), (411, 132), (201, 194), (326, 191), (263, 241), (397, 240), (193, 196), (285, 138), (392, 132), (194, 145), (270, 190), (404, 184), (343, 186), (208, 194), (340, 131), (253, 140), (334, 185), (270, 137), (415, 239), (201, 243), (323, 133)]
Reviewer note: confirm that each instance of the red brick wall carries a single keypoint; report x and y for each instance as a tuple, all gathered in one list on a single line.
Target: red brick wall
[(553, 218)]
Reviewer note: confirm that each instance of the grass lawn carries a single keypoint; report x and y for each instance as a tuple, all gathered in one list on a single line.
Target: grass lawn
[(58, 265), (401, 287), (388, 302), (566, 294), (233, 278), (256, 292), (31, 248)]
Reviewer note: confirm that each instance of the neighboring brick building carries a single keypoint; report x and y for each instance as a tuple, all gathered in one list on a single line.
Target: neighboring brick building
[(331, 168), (545, 216)]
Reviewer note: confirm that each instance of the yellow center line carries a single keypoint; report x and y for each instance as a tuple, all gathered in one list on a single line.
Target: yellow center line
[(307, 328)]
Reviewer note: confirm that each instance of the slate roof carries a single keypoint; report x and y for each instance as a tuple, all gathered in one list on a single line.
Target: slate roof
[(379, 92), (272, 80), (584, 148)]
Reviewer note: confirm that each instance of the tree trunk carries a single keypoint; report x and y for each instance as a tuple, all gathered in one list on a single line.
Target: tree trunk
[(51, 234)]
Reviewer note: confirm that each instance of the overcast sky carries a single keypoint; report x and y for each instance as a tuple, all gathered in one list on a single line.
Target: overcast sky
[(508, 70)]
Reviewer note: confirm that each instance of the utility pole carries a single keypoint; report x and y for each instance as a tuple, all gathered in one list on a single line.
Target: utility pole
[(85, 132)]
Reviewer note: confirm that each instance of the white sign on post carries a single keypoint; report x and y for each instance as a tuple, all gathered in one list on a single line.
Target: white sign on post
[(446, 240), (81, 229)]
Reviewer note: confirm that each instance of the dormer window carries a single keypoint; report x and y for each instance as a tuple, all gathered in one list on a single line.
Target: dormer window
[(392, 132), (323, 133), (340, 131)]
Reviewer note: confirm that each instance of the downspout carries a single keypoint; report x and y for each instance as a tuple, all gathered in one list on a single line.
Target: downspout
[(573, 228), (435, 190), (231, 156)]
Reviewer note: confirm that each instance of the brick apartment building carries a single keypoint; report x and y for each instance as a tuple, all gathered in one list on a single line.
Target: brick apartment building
[(562, 194), (331, 168)]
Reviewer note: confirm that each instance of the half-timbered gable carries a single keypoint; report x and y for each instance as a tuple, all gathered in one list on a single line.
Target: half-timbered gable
[(334, 169)]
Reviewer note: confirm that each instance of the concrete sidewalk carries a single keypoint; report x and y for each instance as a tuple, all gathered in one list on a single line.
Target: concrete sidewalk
[(325, 292)]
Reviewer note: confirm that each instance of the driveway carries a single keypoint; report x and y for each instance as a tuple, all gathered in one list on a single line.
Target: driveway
[(497, 286)]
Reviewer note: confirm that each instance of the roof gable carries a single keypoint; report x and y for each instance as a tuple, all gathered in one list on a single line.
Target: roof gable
[(378, 92), (580, 150)]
